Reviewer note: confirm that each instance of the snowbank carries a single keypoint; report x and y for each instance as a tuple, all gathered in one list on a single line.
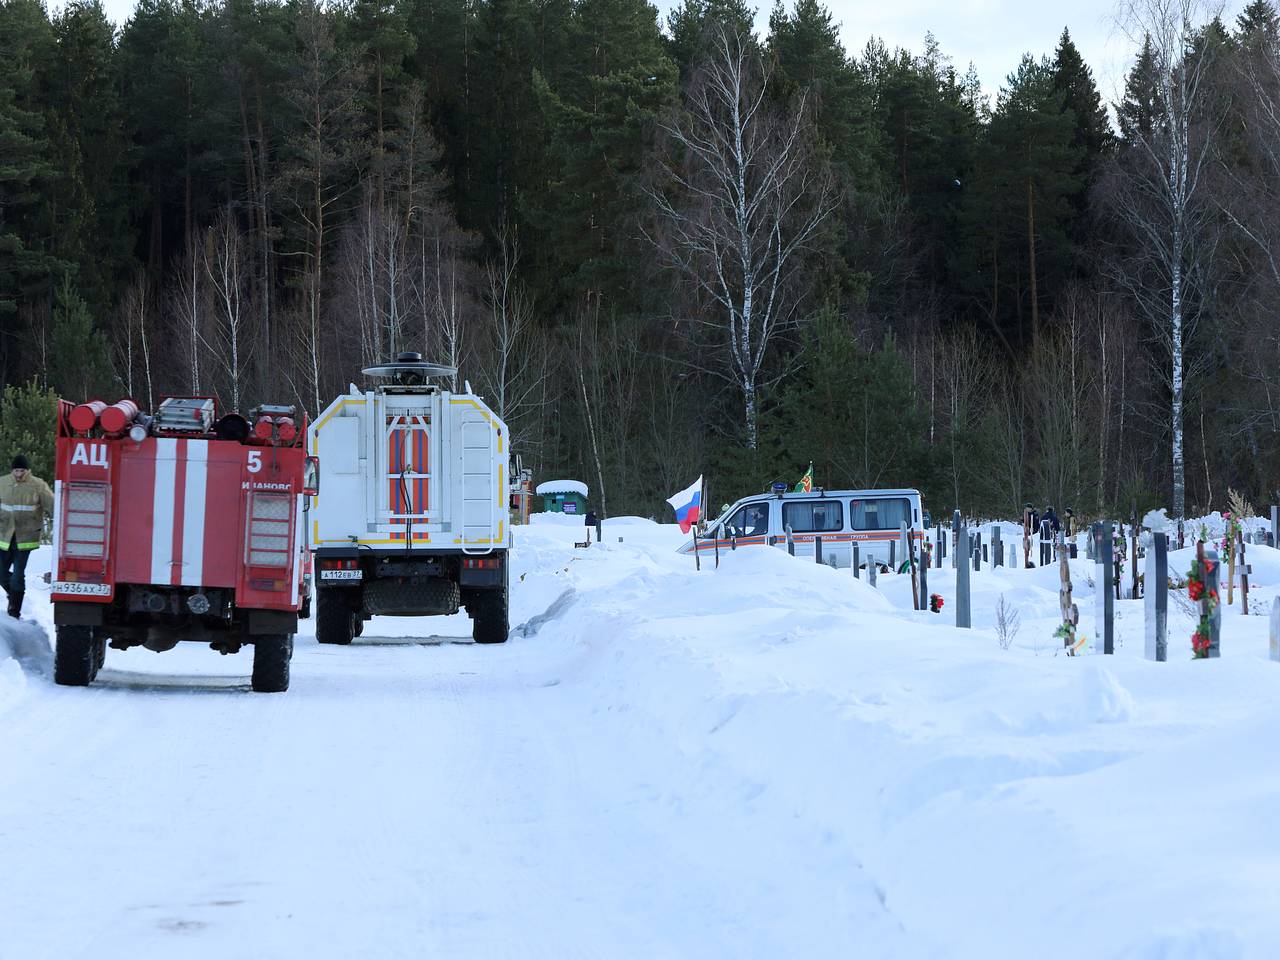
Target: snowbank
[(1088, 807)]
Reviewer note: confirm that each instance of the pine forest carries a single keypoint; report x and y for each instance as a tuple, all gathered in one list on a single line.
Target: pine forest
[(661, 245)]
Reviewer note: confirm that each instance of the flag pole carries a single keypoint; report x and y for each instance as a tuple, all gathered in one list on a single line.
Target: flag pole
[(702, 499)]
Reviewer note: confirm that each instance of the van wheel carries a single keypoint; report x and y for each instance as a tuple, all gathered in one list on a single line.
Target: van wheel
[(74, 656), (489, 616), (271, 655), (334, 619)]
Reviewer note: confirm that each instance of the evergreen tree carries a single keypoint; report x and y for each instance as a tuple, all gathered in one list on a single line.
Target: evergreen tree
[(931, 123), (78, 366), (1073, 79), (28, 419), (850, 411), (601, 118), (501, 147), (1140, 110), (688, 23), (380, 29), (89, 142), (806, 47), (166, 68), (1091, 138), (1020, 206), (27, 262), (1258, 23)]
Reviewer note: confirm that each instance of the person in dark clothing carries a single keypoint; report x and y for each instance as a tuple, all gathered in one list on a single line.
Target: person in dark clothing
[(1054, 523), (1049, 527)]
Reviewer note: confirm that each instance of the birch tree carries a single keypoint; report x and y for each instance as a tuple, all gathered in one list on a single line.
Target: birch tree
[(1160, 195), (225, 263), (323, 96), (740, 199), (512, 366)]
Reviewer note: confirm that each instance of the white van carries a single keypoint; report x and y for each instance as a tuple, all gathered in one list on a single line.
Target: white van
[(840, 518)]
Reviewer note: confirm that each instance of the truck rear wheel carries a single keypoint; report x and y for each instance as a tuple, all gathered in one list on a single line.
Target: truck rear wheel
[(335, 620), (271, 655), (489, 616), (75, 658)]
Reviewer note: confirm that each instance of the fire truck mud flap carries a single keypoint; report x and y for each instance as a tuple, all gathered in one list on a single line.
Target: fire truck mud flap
[(272, 621), (410, 598)]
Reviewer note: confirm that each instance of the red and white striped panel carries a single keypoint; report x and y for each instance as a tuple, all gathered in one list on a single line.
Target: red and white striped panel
[(179, 514)]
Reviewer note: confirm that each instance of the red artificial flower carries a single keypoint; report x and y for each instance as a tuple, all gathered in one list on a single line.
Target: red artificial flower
[(1195, 589), (1208, 566)]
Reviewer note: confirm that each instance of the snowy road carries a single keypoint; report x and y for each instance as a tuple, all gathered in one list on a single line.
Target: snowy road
[(402, 800), (766, 760)]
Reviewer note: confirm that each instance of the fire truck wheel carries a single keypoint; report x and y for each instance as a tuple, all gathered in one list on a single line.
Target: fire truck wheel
[(357, 624), (334, 619), (99, 654), (271, 655), (489, 622), (75, 657)]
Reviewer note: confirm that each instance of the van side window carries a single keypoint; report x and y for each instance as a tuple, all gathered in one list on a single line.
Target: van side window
[(884, 513), (751, 521), (813, 516)]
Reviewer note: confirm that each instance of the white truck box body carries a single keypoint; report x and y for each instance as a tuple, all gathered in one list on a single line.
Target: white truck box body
[(413, 467)]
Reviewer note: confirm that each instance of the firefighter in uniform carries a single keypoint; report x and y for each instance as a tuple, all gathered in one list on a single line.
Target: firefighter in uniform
[(24, 503)]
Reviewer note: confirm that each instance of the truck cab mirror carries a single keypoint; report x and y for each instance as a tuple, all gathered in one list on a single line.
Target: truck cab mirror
[(311, 477)]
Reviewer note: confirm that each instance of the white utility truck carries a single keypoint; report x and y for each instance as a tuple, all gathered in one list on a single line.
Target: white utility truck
[(411, 518)]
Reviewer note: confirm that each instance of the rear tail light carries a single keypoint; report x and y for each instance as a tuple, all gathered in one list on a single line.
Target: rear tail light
[(340, 564), (85, 510), (269, 536), (481, 563)]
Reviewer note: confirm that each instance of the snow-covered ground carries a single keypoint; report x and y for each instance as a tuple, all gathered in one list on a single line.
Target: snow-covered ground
[(771, 759)]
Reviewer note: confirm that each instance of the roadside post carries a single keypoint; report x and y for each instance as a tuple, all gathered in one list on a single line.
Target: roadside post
[(1156, 598), (963, 546), (1104, 596)]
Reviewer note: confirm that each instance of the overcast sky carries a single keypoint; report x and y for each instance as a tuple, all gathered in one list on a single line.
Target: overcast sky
[(992, 34)]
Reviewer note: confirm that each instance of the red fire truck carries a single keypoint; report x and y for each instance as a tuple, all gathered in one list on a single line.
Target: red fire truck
[(181, 525)]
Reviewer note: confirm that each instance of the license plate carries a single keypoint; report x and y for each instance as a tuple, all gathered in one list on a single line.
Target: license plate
[(82, 589), (341, 574)]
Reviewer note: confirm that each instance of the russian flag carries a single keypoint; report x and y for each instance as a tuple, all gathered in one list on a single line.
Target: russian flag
[(688, 505)]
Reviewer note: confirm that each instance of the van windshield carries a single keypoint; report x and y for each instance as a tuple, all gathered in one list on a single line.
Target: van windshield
[(885, 513)]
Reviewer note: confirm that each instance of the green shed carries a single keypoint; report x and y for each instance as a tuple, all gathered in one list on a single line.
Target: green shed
[(563, 496)]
